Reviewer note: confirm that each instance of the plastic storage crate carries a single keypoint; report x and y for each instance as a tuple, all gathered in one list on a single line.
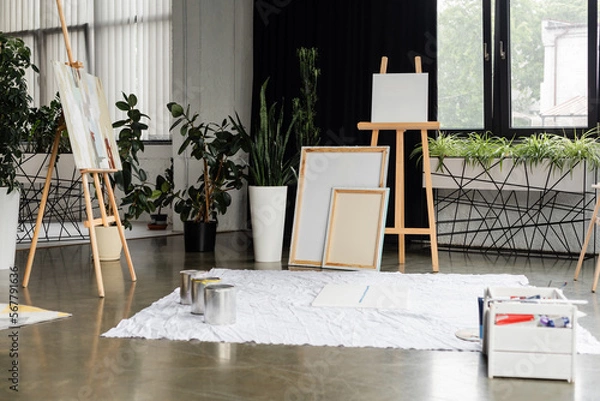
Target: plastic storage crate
[(526, 349)]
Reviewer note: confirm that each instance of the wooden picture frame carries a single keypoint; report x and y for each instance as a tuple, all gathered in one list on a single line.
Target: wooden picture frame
[(355, 228), (323, 168)]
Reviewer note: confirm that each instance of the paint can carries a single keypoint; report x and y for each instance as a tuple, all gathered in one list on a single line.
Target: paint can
[(185, 294), (198, 286), (219, 304)]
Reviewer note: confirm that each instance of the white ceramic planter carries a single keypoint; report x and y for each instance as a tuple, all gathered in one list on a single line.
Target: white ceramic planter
[(267, 212), (109, 243), (504, 175), (9, 218)]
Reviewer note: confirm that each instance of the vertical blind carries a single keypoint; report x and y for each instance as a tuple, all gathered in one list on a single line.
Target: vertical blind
[(127, 44)]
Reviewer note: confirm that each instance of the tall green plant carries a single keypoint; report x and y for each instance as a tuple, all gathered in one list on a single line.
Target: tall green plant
[(132, 179), (304, 107), (268, 144), (15, 60), (214, 146)]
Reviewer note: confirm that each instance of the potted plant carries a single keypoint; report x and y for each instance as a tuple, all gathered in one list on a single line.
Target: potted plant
[(214, 146), (539, 161), (269, 175), (132, 179), (527, 194), (15, 60), (162, 196)]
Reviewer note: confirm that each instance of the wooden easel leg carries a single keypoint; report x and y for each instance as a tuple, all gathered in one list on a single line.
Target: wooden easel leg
[(430, 208), (92, 231), (42, 209), (113, 203), (596, 276), (399, 212), (586, 242), (374, 138)]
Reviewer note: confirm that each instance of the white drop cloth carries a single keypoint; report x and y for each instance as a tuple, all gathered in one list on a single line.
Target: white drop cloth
[(274, 307)]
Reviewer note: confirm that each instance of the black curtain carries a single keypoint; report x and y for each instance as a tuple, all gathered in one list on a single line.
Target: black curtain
[(351, 37)]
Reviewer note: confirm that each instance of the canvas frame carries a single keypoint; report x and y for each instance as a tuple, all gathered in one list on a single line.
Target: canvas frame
[(323, 168), (88, 119), (400, 98), (355, 228)]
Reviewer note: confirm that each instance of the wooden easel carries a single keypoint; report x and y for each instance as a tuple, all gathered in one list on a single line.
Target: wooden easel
[(91, 222), (399, 219), (586, 242)]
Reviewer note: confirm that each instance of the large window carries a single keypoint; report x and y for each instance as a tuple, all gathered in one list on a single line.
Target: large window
[(125, 43), (517, 65), (460, 66)]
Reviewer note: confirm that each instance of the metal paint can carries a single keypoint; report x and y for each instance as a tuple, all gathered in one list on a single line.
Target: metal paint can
[(219, 304), (185, 293), (198, 286)]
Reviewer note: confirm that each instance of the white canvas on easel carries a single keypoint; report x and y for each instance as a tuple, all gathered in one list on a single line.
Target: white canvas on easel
[(399, 98)]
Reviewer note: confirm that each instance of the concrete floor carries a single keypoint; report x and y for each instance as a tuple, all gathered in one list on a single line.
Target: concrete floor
[(67, 359)]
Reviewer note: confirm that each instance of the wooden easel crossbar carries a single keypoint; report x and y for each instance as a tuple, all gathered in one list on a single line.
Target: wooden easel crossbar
[(100, 179)]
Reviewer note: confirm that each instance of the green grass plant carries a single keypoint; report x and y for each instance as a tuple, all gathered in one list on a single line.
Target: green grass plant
[(559, 152)]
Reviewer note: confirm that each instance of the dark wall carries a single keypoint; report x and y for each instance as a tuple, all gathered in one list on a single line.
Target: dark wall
[(351, 36)]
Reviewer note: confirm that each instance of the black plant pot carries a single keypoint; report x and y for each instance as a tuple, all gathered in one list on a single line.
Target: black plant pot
[(158, 222), (199, 237)]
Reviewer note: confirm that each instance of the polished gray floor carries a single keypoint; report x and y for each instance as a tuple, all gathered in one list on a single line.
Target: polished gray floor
[(68, 360)]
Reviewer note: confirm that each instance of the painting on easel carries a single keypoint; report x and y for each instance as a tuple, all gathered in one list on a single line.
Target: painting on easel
[(88, 119)]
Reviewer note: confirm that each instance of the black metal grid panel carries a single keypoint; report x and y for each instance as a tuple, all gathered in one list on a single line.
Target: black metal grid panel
[(65, 206), (527, 220)]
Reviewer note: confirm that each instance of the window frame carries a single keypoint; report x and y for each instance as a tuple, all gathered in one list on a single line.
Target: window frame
[(497, 77)]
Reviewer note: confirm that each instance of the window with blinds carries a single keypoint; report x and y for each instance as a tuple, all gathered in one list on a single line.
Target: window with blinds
[(127, 44)]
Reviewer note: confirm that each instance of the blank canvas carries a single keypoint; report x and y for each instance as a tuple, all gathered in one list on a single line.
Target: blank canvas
[(355, 228), (362, 296), (399, 98), (88, 120), (323, 168)]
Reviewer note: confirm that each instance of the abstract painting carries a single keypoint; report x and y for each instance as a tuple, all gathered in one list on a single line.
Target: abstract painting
[(88, 119)]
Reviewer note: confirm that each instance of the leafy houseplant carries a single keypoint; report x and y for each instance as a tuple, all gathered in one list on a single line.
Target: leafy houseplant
[(214, 146), (15, 60), (132, 179), (270, 173), (43, 122)]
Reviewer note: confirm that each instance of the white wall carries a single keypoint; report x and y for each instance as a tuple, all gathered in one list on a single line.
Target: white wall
[(212, 71)]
